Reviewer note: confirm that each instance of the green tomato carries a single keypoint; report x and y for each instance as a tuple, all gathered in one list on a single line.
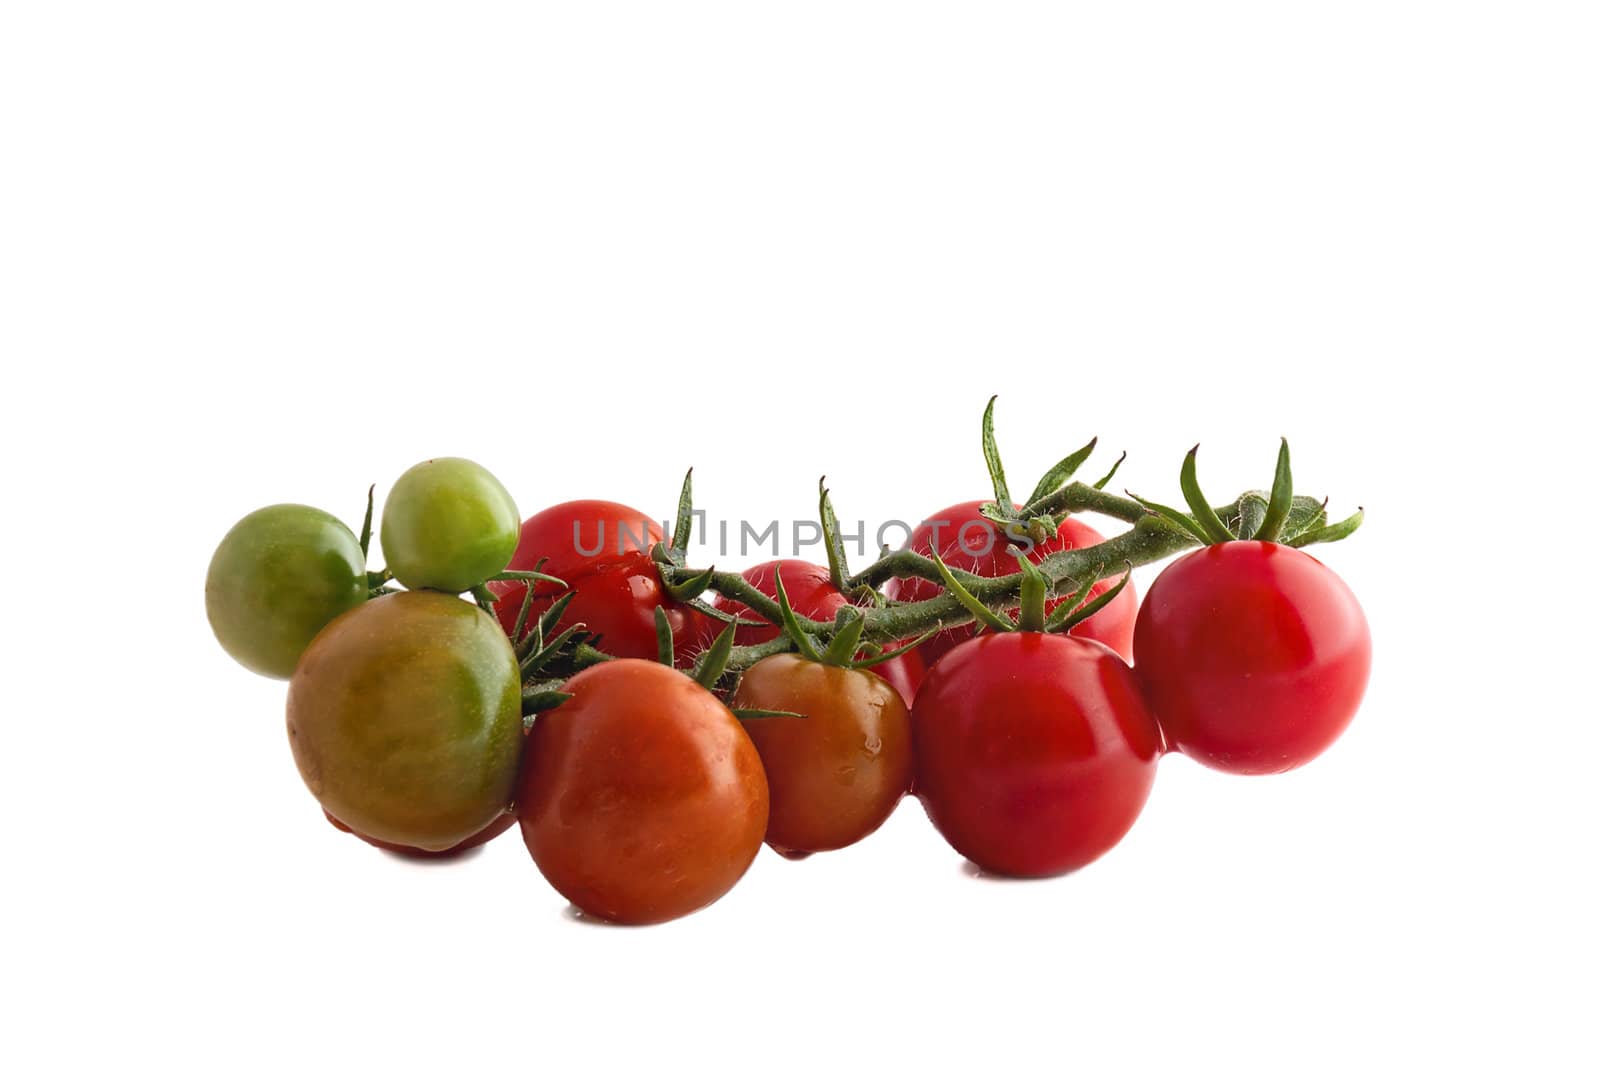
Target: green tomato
[(405, 717), (279, 576), (448, 525)]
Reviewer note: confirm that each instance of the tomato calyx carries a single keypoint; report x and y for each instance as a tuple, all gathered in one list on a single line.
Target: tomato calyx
[(1034, 519), (1277, 516), (1034, 590), (845, 647)]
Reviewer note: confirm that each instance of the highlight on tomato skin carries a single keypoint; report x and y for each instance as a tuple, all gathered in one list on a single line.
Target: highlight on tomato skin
[(838, 773), (966, 540), (1254, 656), (1035, 752), (601, 549), (813, 595), (641, 799)]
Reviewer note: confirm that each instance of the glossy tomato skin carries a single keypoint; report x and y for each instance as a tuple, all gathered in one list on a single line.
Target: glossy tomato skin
[(279, 576), (601, 550), (1254, 656), (405, 718), (813, 595), (837, 774), (642, 799), (504, 822), (448, 524), (1034, 752), (966, 540)]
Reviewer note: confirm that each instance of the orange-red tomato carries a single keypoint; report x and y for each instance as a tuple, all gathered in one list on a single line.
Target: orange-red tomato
[(836, 774), (642, 799)]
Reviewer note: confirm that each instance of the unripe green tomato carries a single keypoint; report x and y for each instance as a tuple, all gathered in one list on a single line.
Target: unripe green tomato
[(278, 577), (448, 525), (405, 717)]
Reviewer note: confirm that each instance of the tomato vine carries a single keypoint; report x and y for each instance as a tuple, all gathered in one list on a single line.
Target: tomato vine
[(1156, 532)]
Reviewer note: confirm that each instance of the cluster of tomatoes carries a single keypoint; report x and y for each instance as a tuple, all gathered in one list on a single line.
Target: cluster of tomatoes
[(427, 721)]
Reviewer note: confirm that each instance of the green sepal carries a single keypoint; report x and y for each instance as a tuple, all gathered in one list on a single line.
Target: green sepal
[(711, 611), (366, 522), (1244, 517), (832, 539), (1327, 534), (1057, 476), (1174, 516), (764, 713), (521, 625), (847, 627), (791, 622), (1034, 590), (980, 611), (683, 525), (1112, 473), (1216, 532), (1094, 605), (1306, 514), (713, 661), (532, 577), (537, 698), (991, 457), (691, 587), (551, 618), (483, 597), (1067, 607), (664, 649), (376, 580), (868, 662), (547, 651), (1281, 501)]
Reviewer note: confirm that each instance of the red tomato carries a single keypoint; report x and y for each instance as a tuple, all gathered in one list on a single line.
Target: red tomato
[(813, 595), (838, 773), (1254, 656), (602, 551), (968, 541), (642, 798), (482, 837), (1034, 752)]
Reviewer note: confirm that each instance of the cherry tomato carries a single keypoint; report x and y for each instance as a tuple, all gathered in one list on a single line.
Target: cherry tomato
[(279, 576), (836, 774), (968, 541), (1254, 656), (642, 799), (448, 524), (601, 550), (405, 716), (505, 822), (1035, 752), (813, 595)]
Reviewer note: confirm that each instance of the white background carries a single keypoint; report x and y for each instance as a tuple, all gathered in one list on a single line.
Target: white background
[(255, 253)]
